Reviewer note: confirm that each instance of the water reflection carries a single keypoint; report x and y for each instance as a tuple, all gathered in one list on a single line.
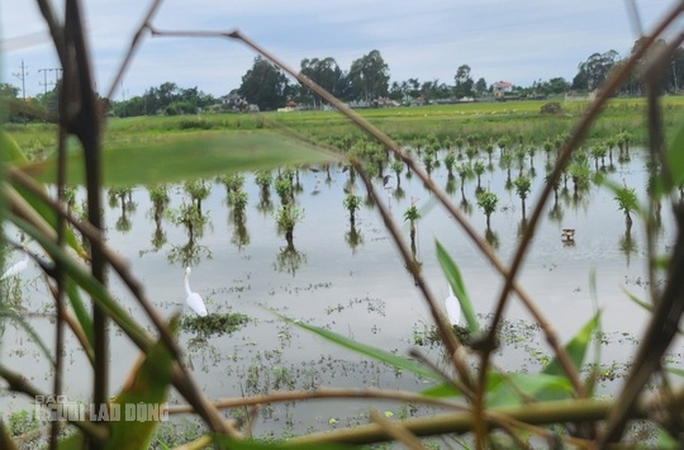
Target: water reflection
[(160, 201), (122, 196), (194, 222)]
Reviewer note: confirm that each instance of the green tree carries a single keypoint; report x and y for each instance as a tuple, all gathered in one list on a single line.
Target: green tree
[(464, 82), (594, 70), (369, 76), (326, 73), (264, 85), (481, 86)]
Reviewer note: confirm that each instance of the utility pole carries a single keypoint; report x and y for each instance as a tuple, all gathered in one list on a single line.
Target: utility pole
[(45, 83), (22, 76)]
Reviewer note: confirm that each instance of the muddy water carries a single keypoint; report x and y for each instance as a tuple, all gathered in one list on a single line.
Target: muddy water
[(363, 291)]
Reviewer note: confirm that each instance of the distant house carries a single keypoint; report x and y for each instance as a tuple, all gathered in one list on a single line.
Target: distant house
[(501, 87), (233, 101)]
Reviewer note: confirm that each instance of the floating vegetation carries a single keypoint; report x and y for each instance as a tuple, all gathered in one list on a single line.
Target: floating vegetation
[(214, 324)]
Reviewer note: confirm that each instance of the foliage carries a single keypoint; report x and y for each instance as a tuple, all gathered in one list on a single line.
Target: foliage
[(522, 186), (369, 76), (487, 201), (264, 85), (352, 203), (214, 324)]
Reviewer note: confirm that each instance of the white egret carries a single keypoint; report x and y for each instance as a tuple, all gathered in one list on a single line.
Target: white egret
[(453, 307), (194, 300), (16, 268)]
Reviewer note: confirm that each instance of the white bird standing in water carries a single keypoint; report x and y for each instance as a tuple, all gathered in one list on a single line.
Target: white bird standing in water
[(194, 300), (17, 267), (453, 308)]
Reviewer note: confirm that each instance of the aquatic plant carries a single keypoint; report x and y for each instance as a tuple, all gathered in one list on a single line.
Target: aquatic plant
[(487, 201)]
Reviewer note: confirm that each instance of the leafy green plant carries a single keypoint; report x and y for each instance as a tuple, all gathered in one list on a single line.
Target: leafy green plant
[(352, 203), (627, 203), (487, 201)]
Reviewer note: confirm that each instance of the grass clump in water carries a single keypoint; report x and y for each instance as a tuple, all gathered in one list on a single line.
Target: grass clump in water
[(214, 324)]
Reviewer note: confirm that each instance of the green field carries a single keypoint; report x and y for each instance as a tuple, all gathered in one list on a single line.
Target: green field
[(482, 122)]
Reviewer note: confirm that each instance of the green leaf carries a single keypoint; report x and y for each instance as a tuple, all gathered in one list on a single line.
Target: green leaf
[(367, 350), (442, 390), (576, 348), (85, 281), (6, 441), (149, 387), (674, 155), (224, 442), (7, 313), (453, 275), (9, 149), (675, 371), (514, 388), (47, 214), (647, 306), (81, 313), (187, 156)]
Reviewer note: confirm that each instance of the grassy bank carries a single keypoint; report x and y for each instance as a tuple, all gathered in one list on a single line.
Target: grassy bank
[(483, 123)]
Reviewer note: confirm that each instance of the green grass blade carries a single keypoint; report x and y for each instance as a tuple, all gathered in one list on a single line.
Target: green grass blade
[(576, 348), (11, 152), (647, 306), (14, 316), (223, 442), (149, 387), (187, 156), (513, 388), (86, 282), (49, 216), (81, 312), (442, 390), (674, 154), (453, 275), (388, 358)]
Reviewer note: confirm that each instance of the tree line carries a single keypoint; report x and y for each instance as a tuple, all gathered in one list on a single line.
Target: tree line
[(365, 83)]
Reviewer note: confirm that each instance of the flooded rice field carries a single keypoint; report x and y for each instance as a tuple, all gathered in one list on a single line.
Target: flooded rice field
[(352, 280)]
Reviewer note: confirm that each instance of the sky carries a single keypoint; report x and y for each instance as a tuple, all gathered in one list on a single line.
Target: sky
[(500, 40)]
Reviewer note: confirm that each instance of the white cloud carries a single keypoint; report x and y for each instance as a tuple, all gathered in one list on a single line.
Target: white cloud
[(518, 41)]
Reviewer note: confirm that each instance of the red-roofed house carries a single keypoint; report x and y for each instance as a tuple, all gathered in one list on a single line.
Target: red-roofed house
[(501, 87)]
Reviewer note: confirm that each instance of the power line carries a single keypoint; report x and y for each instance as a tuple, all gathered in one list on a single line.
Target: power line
[(45, 83)]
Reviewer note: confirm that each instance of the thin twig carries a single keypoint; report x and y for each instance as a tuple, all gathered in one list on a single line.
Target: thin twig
[(545, 413), (325, 393), (18, 383), (482, 245), (182, 379), (562, 161), (396, 430), (59, 280), (446, 333), (134, 44)]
